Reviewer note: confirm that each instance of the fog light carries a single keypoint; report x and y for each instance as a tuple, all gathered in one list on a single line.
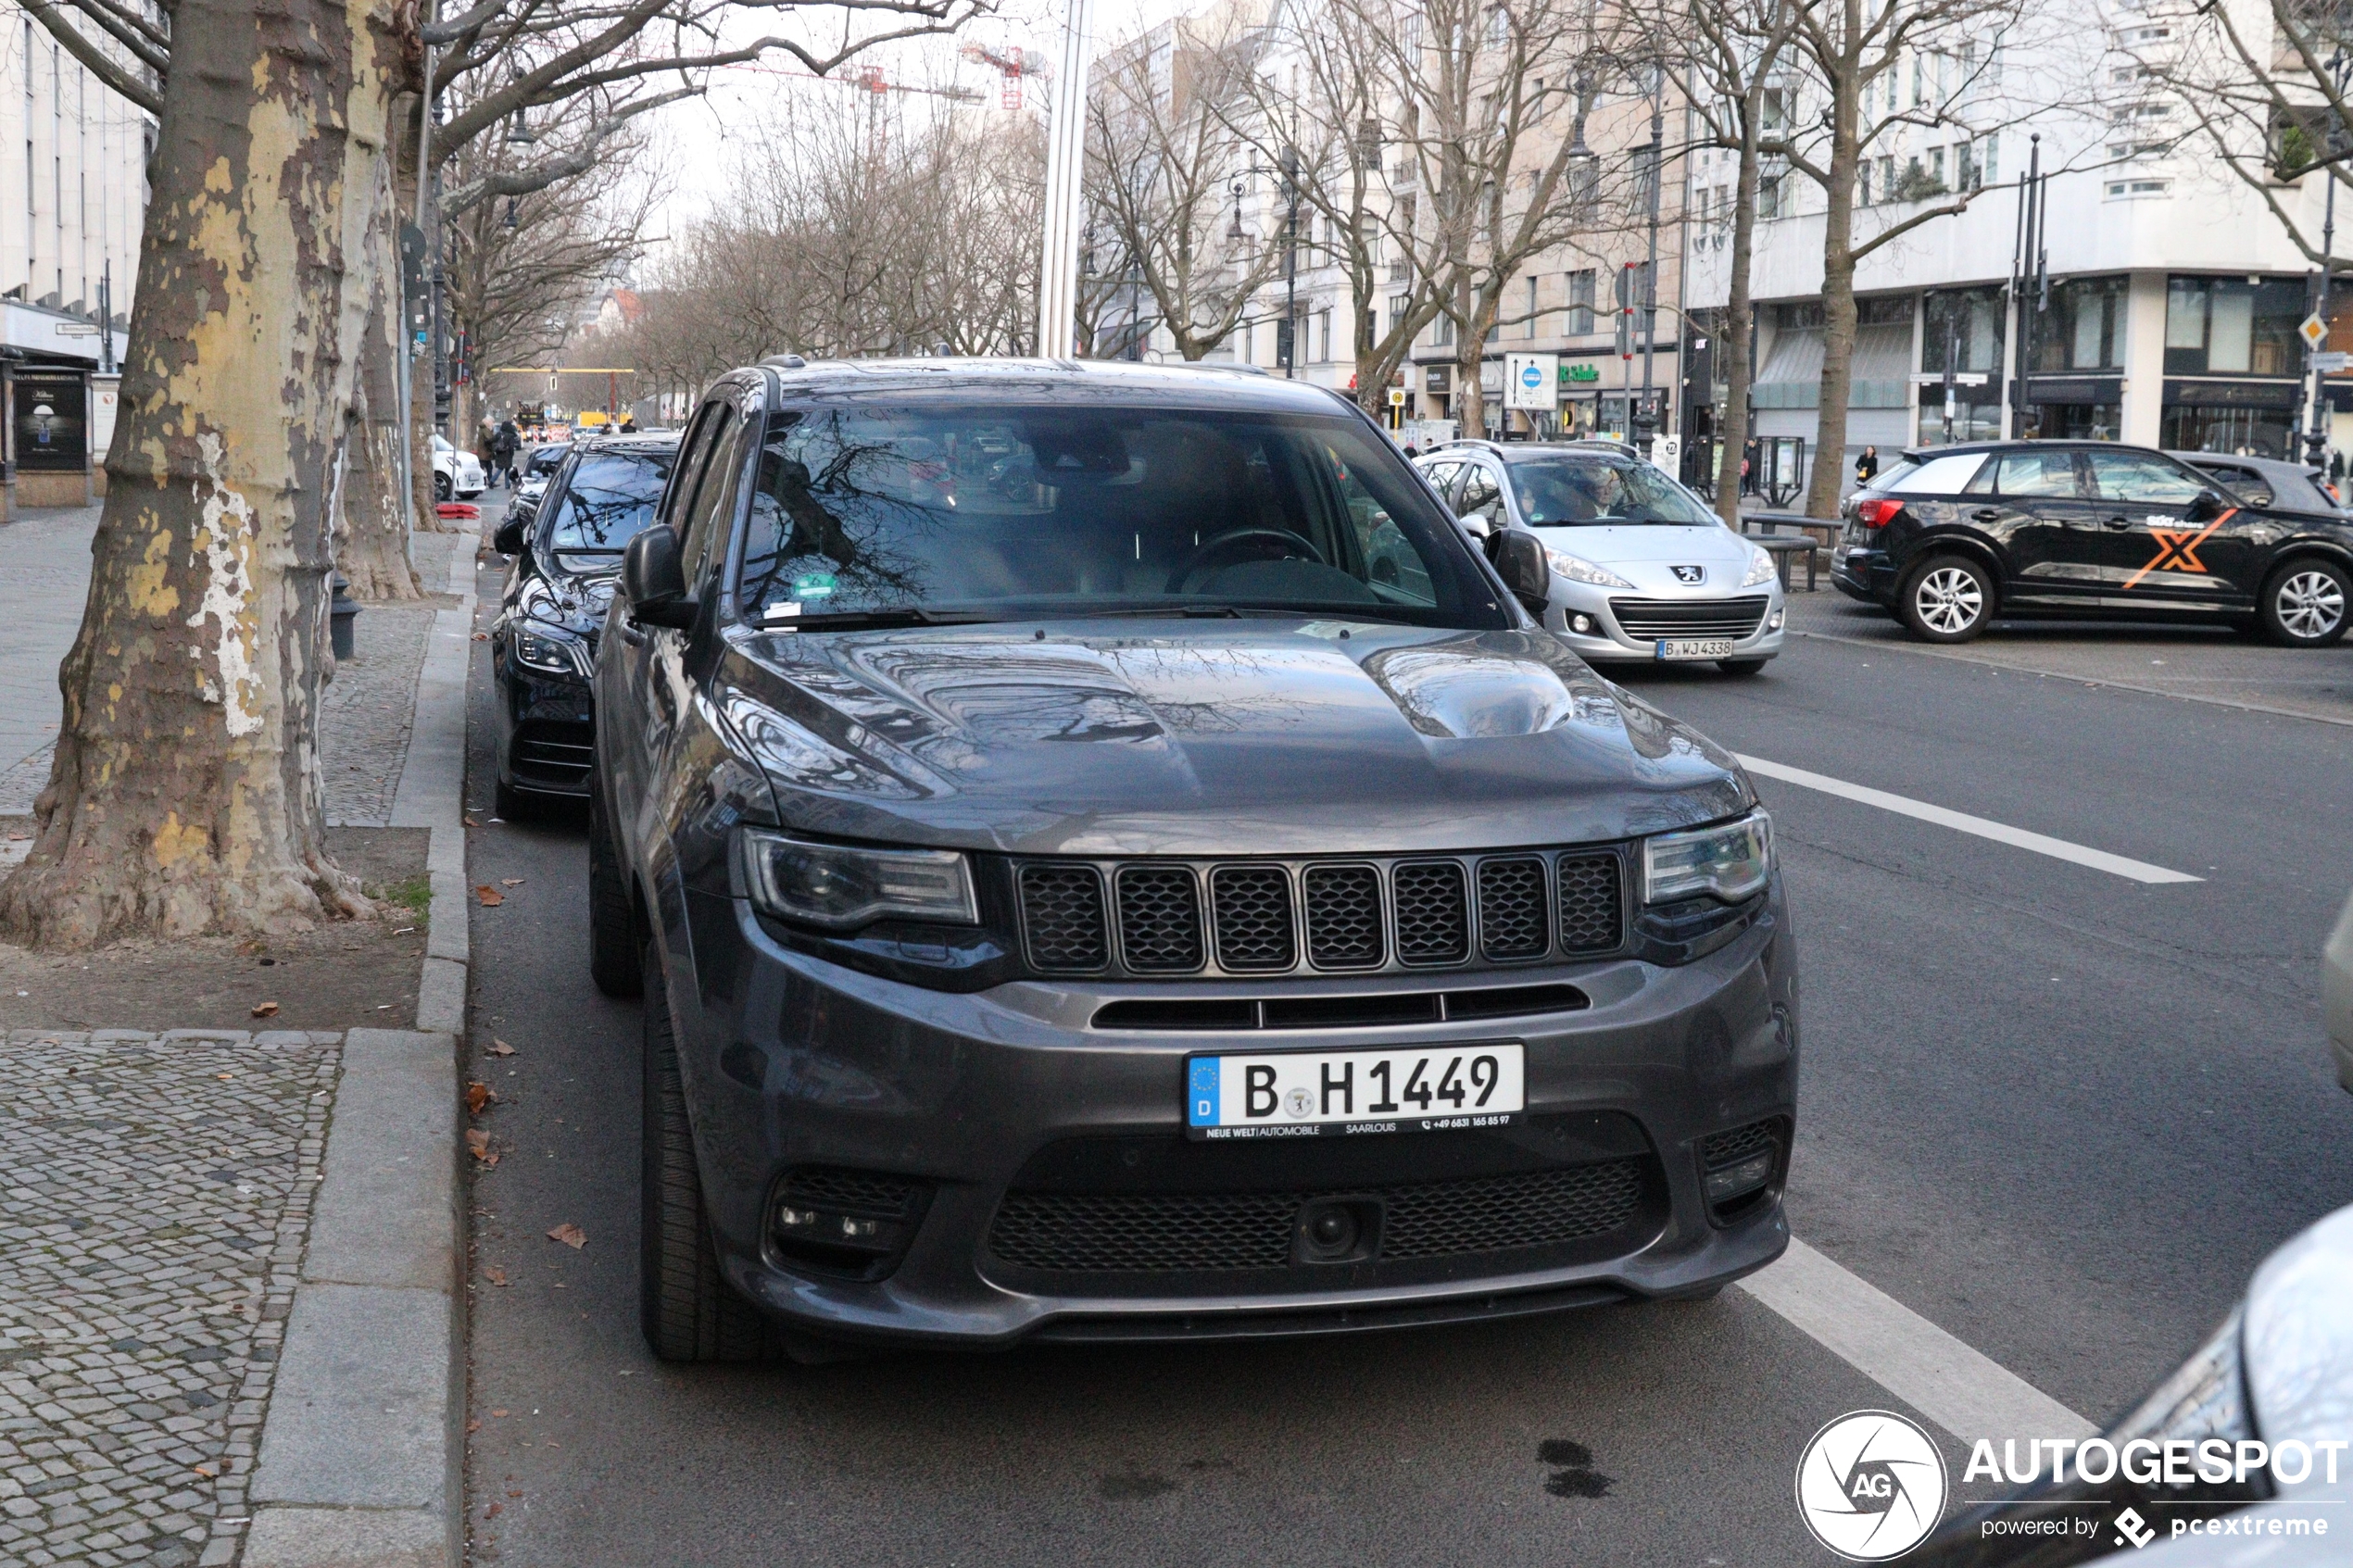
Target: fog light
[(1580, 623), (1744, 1176), (1775, 624), (857, 1224)]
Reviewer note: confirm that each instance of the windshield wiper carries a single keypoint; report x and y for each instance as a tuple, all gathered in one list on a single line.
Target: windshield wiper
[(866, 620)]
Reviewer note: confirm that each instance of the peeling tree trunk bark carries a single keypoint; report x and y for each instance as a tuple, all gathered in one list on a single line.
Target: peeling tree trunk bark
[(1829, 478), (185, 795), (1738, 327), (371, 533)]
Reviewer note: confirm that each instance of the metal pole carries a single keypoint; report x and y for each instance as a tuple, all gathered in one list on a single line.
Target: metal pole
[(1065, 161), (1650, 268)]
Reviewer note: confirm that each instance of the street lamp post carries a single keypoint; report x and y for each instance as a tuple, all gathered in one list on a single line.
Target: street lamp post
[(1065, 160), (1648, 422), (2316, 438)]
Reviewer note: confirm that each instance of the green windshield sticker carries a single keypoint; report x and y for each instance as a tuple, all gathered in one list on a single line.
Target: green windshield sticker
[(813, 585)]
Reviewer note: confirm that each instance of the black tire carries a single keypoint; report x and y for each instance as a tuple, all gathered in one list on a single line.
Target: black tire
[(2306, 604), (440, 487), (616, 947), (686, 1311), (1947, 600), (1741, 666)]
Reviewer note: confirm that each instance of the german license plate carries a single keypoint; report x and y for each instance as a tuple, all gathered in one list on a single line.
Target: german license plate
[(1695, 647), (1313, 1093)]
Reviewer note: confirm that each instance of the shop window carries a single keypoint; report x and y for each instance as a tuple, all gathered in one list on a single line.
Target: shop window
[(2231, 326), (2252, 432), (2084, 329)]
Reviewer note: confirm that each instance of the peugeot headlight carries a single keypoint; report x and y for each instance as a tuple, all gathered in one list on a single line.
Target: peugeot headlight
[(836, 886), (1760, 568), (1580, 570), (551, 649), (1729, 861)]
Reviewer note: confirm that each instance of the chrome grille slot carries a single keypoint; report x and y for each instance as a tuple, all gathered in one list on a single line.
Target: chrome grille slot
[(1433, 914), (1343, 916), (1252, 911)]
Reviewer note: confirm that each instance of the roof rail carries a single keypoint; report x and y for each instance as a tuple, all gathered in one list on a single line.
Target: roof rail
[(785, 362)]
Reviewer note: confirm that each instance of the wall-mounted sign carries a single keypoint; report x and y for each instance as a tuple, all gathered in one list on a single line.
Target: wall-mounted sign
[(1578, 371)]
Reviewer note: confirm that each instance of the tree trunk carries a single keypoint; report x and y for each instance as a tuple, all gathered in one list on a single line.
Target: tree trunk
[(185, 795), (371, 533), (1470, 398), (1828, 477), (1738, 330)]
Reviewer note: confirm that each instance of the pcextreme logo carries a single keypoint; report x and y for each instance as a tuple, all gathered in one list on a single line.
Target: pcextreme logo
[(1870, 1486)]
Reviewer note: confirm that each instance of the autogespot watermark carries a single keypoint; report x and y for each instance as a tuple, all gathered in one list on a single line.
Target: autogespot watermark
[(1872, 1485)]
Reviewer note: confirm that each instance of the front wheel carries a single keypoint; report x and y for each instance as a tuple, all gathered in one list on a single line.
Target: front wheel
[(1947, 600), (686, 1310), (441, 487), (2304, 604)]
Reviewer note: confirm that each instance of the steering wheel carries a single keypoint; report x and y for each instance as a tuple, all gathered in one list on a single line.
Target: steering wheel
[(1243, 544)]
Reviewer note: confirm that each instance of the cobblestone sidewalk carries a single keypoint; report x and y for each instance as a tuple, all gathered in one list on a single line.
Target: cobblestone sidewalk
[(158, 1196)]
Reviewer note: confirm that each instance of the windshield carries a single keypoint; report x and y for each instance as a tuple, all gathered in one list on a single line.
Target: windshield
[(1603, 490), (1003, 511), (610, 499)]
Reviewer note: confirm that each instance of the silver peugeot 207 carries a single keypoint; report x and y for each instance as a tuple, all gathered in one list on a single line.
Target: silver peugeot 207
[(1105, 858), (1643, 570)]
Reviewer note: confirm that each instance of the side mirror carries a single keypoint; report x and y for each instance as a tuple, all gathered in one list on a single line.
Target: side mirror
[(1519, 561), (2205, 506), (507, 540), (653, 579), (1474, 525)]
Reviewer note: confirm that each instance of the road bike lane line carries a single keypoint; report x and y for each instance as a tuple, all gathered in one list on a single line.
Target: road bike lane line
[(1961, 821), (1967, 1393)]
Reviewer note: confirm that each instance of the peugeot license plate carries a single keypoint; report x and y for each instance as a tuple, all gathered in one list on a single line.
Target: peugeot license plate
[(1695, 647), (1309, 1094)]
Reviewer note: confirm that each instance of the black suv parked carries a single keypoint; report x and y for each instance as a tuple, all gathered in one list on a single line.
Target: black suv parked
[(1047, 822), (1955, 535), (542, 646)]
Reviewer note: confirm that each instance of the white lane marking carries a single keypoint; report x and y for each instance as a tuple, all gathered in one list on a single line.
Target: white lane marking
[(1961, 821), (1967, 1394)]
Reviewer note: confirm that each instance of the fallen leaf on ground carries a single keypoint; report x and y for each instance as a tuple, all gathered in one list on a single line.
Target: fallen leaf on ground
[(482, 636), (477, 1096), (511, 881), (491, 898), (473, 1428), (494, 1273), (478, 1144), (571, 1236), (497, 1412), (264, 1010), (493, 1511), (203, 1470), (470, 821), (500, 1047), (225, 1077)]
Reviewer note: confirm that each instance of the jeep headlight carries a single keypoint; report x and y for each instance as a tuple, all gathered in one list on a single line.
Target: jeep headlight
[(839, 887), (1577, 570), (1729, 861), (1760, 568), (550, 648)]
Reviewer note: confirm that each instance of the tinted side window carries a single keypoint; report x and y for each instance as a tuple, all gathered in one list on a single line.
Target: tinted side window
[(1480, 495), (2138, 476), (713, 489), (691, 453), (2038, 473), (1442, 477)]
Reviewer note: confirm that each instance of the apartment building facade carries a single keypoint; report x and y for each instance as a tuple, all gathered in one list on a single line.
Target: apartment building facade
[(2174, 293), (72, 201)]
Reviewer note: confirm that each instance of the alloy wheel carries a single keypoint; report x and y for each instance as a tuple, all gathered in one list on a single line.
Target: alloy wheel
[(1949, 599), (2309, 604)]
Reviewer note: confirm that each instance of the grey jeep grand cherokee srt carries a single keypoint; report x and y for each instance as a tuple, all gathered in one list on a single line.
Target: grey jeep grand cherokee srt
[(1106, 858)]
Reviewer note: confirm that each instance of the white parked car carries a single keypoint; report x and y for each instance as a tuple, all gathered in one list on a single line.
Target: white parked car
[(1643, 570), (455, 472)]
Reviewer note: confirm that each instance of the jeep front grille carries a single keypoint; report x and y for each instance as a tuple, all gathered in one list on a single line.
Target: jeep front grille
[(1373, 915)]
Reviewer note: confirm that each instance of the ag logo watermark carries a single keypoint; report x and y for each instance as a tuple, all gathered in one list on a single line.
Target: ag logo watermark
[(1870, 1486)]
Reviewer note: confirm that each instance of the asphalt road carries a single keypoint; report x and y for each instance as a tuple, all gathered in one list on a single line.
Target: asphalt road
[(2058, 1113)]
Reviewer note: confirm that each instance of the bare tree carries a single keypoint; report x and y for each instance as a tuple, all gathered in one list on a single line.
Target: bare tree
[(1736, 56), (185, 793), (1167, 170)]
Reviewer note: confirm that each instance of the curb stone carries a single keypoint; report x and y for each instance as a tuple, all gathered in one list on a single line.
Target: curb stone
[(361, 1451)]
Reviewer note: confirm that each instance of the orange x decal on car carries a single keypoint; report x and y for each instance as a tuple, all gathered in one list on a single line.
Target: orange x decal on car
[(2177, 549)]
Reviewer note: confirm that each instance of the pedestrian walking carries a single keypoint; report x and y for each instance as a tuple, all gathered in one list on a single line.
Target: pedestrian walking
[(1867, 466), (505, 441)]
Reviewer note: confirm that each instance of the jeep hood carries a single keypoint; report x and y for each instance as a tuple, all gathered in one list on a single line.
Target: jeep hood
[(1225, 737)]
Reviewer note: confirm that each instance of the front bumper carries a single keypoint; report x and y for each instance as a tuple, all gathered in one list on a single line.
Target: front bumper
[(794, 1064), (1607, 642), (544, 741)]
